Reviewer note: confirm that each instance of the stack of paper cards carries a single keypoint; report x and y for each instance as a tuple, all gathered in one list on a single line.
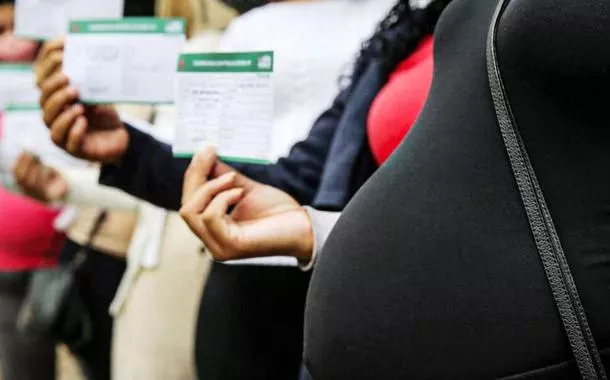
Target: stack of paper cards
[(17, 84), (46, 19), (226, 100), (131, 60), (24, 130)]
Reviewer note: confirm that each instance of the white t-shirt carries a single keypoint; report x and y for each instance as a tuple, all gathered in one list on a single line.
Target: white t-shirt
[(315, 42)]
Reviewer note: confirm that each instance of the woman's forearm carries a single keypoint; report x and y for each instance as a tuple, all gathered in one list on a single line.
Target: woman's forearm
[(148, 171), (85, 191)]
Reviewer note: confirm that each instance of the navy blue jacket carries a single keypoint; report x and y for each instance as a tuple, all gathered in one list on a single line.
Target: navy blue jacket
[(324, 170)]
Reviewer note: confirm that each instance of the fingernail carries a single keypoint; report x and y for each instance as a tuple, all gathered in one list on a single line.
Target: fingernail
[(72, 91), (78, 108)]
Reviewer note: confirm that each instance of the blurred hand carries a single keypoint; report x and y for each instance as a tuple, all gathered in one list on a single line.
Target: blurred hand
[(49, 60), (94, 133), (39, 181), (265, 221)]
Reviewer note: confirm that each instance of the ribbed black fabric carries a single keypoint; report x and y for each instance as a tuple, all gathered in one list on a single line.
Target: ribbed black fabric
[(432, 272)]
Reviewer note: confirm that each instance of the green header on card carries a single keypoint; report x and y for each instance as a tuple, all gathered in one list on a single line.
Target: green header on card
[(129, 25), (251, 62), (21, 107), (241, 160), (15, 67)]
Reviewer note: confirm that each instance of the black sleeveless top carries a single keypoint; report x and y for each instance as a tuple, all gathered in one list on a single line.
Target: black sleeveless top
[(431, 272)]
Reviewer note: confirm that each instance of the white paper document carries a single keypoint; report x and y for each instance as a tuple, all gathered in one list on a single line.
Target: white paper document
[(17, 84), (24, 130), (47, 19), (273, 261), (225, 100), (132, 60)]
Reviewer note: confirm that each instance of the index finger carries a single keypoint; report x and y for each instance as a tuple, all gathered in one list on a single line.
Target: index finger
[(198, 172), (49, 47), (47, 67)]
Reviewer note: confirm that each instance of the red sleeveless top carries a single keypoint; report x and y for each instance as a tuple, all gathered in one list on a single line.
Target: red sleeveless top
[(397, 106)]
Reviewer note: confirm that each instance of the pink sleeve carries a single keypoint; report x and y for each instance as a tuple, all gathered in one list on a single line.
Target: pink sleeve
[(27, 237)]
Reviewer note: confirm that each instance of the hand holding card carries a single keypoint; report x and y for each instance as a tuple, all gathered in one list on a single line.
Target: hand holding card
[(93, 133)]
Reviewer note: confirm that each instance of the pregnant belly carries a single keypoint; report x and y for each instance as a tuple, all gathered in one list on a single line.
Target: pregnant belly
[(431, 276)]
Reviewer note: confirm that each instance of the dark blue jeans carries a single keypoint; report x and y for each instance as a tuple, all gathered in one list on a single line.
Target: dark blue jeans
[(304, 374)]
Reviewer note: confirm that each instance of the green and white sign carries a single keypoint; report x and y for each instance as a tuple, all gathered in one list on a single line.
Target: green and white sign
[(130, 25), (17, 84), (226, 100), (24, 130), (130, 60), (15, 67), (47, 19), (261, 62), (22, 107)]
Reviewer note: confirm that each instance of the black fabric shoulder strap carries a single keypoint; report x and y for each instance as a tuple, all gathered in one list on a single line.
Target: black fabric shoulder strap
[(543, 229)]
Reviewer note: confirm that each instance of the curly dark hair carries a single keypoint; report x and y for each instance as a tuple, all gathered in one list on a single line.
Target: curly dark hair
[(394, 39)]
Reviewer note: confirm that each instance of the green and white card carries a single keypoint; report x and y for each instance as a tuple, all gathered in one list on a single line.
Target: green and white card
[(131, 60), (46, 19), (17, 84), (24, 130), (226, 100)]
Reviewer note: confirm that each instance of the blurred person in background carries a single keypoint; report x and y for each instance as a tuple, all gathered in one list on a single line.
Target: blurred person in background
[(219, 14), (156, 307), (156, 303), (101, 272), (28, 241), (251, 317)]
